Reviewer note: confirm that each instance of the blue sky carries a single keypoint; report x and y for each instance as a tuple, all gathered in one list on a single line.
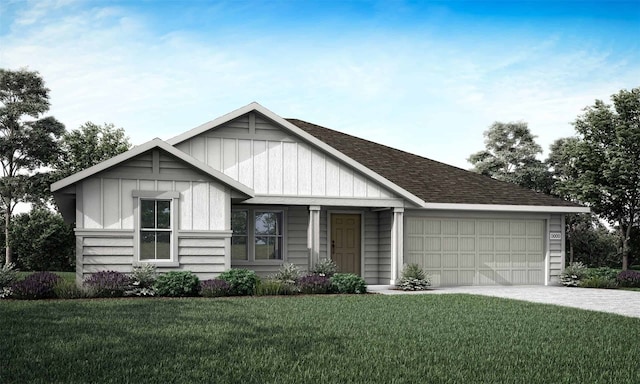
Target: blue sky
[(423, 76)]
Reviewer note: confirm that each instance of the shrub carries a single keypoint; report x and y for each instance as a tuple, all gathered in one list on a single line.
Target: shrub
[(313, 284), (8, 275), (271, 287), (177, 284), (242, 281), (572, 274), (598, 282), (348, 283), (39, 285), (414, 279), (107, 284), (325, 267), (142, 279), (42, 241), (65, 289), (629, 278), (603, 272), (215, 288), (288, 274)]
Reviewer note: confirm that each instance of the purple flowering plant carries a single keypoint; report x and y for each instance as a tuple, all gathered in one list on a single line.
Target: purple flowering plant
[(36, 286), (107, 284)]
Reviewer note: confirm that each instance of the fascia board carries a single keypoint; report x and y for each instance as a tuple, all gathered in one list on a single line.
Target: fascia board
[(506, 208), (135, 151)]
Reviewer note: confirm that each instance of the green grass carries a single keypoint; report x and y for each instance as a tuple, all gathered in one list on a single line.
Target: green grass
[(315, 339)]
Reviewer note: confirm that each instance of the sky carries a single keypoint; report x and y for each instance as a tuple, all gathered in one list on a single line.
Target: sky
[(427, 77)]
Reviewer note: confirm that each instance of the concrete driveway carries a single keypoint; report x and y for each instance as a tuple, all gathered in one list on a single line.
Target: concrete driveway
[(625, 303)]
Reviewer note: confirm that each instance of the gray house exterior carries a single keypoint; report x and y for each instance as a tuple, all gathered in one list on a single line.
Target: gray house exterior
[(254, 190)]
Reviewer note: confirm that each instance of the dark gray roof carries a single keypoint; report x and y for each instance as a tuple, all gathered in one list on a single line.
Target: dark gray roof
[(430, 180)]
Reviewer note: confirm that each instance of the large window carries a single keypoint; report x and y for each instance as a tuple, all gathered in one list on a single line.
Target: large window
[(257, 235), (155, 229)]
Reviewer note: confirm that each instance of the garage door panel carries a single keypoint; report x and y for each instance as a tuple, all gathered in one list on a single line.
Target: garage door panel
[(467, 260), (478, 251), (450, 261), (501, 227), (502, 244), (466, 277), (415, 243), (432, 260), (485, 244), (535, 228), (518, 244), (518, 228), (534, 245), (450, 244), (432, 244), (467, 243)]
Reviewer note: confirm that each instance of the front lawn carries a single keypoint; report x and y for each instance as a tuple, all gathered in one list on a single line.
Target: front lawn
[(314, 339)]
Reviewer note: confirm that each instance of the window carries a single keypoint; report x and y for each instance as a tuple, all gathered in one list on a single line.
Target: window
[(239, 249), (257, 235), (155, 229)]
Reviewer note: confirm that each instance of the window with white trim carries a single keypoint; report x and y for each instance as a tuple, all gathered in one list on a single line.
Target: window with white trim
[(257, 234), (156, 231)]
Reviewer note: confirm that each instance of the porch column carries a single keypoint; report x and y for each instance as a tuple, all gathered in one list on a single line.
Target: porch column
[(397, 242), (313, 235)]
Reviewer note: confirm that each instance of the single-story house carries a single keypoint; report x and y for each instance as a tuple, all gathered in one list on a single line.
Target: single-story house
[(253, 190)]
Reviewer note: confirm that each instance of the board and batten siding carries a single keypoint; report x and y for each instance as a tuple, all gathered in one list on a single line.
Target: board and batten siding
[(263, 157), (105, 222)]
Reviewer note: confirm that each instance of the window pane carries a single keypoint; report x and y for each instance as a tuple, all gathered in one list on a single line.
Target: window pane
[(264, 248), (164, 214), (268, 223), (239, 222), (147, 245), (163, 245), (147, 213), (239, 248), (268, 248)]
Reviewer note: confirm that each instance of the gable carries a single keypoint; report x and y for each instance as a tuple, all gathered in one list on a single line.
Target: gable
[(266, 157)]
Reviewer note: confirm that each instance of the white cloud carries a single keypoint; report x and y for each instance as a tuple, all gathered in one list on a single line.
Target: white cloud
[(425, 93)]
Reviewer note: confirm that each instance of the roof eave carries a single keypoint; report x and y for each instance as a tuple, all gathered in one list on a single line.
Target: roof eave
[(506, 208)]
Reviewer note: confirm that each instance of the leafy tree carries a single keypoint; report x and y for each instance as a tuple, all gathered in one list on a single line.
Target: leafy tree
[(27, 142), (606, 171), (89, 145), (42, 241), (510, 156)]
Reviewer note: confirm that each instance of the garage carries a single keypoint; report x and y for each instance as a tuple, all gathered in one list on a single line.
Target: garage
[(477, 251)]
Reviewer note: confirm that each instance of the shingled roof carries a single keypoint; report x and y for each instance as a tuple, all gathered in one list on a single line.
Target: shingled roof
[(430, 180)]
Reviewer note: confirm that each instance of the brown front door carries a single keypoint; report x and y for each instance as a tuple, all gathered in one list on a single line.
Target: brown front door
[(345, 242)]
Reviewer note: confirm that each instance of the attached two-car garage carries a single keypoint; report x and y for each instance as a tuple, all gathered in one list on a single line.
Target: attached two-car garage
[(459, 251)]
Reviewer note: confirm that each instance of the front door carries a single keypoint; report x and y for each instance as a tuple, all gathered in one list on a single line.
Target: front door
[(345, 242)]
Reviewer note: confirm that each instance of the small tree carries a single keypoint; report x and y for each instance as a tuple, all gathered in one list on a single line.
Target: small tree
[(510, 156), (88, 145), (606, 171), (27, 142)]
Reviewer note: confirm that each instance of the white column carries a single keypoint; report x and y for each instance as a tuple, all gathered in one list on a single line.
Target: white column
[(313, 235), (397, 244)]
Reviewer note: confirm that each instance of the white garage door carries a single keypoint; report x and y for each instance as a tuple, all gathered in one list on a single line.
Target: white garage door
[(477, 251)]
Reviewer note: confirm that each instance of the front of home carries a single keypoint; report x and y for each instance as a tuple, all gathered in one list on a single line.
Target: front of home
[(254, 190)]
